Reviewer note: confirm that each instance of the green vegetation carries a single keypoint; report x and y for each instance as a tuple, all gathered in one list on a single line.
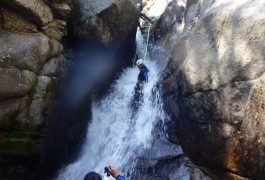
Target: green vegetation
[(21, 139), (35, 88), (19, 144)]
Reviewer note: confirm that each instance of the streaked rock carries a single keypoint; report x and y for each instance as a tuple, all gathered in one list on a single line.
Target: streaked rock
[(35, 10)]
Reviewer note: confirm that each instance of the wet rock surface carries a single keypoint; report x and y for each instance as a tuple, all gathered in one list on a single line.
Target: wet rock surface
[(215, 75), (165, 160)]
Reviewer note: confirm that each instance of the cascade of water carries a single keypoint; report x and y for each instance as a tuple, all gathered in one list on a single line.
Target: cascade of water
[(118, 134)]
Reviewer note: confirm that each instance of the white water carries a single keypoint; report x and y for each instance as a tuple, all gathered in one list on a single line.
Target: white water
[(114, 137)]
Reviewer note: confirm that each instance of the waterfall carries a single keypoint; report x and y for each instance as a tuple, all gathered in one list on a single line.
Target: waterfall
[(117, 134)]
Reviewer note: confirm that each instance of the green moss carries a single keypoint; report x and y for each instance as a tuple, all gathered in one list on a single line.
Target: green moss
[(35, 88), (19, 144), (22, 139), (16, 136)]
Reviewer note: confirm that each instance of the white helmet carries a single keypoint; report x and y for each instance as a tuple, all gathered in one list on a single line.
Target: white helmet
[(139, 61)]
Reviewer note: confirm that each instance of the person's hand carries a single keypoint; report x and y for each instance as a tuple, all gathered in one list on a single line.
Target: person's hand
[(114, 172)]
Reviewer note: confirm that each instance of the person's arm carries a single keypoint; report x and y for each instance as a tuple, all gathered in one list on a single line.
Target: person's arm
[(114, 172), (145, 17), (119, 177)]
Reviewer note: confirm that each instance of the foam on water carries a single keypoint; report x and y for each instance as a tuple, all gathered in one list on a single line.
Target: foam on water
[(117, 134)]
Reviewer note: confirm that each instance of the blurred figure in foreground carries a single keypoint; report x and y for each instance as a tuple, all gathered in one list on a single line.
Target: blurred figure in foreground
[(110, 170)]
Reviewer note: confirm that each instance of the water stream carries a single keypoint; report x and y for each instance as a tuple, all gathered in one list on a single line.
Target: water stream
[(135, 141), (118, 134)]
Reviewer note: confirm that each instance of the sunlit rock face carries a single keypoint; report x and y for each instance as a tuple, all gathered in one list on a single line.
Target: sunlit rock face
[(31, 62), (110, 21), (170, 24), (214, 86), (154, 8)]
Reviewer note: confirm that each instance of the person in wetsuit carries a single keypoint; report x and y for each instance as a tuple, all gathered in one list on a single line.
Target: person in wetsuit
[(142, 79), (143, 74), (139, 6)]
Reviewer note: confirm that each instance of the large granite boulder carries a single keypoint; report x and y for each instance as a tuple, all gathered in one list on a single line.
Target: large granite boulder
[(54, 67), (31, 63), (252, 131), (214, 85), (24, 51), (35, 10), (170, 24), (61, 9), (15, 83), (34, 15), (109, 21), (14, 22)]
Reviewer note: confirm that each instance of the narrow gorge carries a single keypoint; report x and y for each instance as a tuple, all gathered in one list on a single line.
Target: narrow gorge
[(68, 77)]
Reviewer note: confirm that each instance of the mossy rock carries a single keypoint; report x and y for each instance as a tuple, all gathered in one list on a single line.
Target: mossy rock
[(19, 144), (35, 88)]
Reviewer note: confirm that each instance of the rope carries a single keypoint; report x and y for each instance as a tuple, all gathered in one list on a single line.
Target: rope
[(146, 47), (147, 42), (136, 51)]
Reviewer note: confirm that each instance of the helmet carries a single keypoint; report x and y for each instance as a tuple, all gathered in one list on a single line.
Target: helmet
[(139, 61), (139, 6)]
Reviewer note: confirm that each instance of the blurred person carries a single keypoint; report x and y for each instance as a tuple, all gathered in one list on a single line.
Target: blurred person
[(114, 172), (140, 6), (111, 170), (92, 176)]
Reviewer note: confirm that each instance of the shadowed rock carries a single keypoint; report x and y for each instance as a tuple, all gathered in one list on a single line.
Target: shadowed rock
[(109, 21), (217, 70)]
